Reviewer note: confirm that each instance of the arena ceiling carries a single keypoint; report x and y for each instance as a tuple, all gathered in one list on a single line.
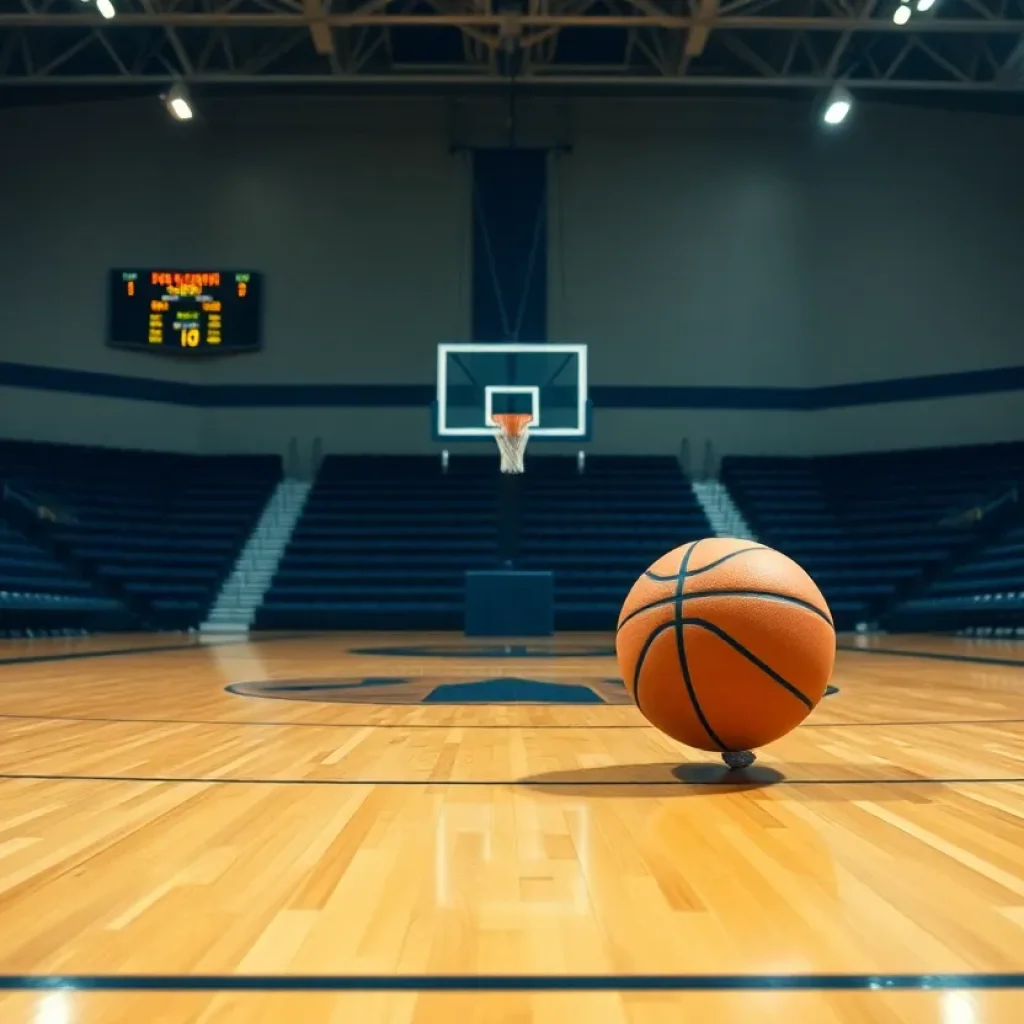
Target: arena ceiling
[(955, 52)]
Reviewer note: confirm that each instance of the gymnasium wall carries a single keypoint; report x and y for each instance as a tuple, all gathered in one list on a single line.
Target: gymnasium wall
[(741, 277), (743, 251), (357, 214)]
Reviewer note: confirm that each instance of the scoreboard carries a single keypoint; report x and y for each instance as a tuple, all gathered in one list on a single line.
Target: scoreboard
[(185, 312)]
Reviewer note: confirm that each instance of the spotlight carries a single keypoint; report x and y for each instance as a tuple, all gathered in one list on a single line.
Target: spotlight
[(106, 8), (924, 5), (179, 106), (838, 106), (902, 13)]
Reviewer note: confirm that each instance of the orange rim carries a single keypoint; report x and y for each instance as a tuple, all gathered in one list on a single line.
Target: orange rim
[(513, 424)]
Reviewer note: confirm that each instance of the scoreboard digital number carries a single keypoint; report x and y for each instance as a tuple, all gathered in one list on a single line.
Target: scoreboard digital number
[(185, 312)]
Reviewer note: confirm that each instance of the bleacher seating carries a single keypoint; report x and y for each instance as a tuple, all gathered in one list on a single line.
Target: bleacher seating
[(985, 589), (37, 591), (160, 531), (599, 530), (868, 526), (384, 542), (29, 572)]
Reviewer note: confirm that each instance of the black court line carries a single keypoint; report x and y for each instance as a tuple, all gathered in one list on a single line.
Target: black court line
[(509, 982), (256, 639), (907, 723), (113, 652), (970, 659), (336, 725), (285, 692), (513, 652), (545, 783), (103, 720), (117, 652)]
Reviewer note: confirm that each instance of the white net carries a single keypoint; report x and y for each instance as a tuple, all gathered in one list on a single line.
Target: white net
[(513, 432)]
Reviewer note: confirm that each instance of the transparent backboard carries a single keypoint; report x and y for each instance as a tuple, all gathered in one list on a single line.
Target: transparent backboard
[(476, 381)]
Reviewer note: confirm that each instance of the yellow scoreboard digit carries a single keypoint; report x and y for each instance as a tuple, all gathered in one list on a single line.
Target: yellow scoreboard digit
[(185, 311)]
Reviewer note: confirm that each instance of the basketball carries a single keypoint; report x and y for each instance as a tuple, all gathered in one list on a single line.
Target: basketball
[(725, 644)]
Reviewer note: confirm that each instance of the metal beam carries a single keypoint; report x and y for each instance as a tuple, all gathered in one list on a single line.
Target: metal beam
[(744, 53), (1015, 62), (844, 40), (697, 37), (323, 37), (9, 45), (495, 23), (563, 79), (172, 37), (761, 43)]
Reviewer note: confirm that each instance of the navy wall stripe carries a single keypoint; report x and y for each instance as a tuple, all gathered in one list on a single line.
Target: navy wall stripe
[(297, 396), (510, 245)]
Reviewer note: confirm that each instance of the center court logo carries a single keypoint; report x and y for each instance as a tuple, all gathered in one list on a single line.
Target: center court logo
[(438, 690)]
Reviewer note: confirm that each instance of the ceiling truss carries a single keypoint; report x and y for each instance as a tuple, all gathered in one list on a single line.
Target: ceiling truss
[(957, 45)]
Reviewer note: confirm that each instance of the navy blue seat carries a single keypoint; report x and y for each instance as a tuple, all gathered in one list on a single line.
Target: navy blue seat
[(27, 569), (600, 530), (384, 542), (868, 526), (162, 530)]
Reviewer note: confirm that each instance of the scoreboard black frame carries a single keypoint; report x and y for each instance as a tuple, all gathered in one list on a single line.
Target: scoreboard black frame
[(185, 312)]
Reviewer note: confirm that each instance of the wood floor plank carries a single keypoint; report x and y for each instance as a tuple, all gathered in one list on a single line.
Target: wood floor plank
[(156, 821)]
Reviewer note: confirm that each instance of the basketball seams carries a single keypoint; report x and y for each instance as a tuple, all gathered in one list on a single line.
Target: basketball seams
[(642, 656), (752, 658), (674, 612), (704, 568), (768, 595), (684, 668)]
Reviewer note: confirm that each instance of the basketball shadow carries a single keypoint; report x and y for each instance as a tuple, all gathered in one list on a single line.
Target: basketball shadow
[(830, 783), (670, 779)]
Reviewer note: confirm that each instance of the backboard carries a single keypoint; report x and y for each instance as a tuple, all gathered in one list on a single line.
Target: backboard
[(476, 380)]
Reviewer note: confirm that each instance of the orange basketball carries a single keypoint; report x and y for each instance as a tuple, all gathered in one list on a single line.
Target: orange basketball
[(725, 644)]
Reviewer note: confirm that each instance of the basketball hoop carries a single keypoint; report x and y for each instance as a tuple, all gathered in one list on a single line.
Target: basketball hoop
[(512, 433)]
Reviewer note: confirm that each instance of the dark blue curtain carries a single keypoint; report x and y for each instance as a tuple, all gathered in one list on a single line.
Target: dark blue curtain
[(510, 245)]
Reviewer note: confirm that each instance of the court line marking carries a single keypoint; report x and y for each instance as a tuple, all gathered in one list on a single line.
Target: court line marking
[(741, 783), (509, 982), (283, 692), (934, 656), (257, 639), (426, 651), (518, 652), (337, 725), (103, 720), (116, 652)]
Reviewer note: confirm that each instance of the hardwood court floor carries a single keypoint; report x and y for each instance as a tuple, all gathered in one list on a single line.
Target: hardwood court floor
[(327, 818)]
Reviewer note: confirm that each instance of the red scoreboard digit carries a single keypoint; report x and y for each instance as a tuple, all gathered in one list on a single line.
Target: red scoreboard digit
[(185, 312)]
